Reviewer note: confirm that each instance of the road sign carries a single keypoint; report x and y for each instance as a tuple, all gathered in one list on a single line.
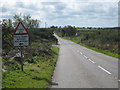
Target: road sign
[(20, 29), (21, 37), (21, 40)]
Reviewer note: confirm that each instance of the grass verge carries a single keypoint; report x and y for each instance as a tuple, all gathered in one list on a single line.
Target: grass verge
[(37, 75), (106, 52)]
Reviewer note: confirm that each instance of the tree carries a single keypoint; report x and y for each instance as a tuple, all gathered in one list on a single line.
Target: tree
[(53, 26), (7, 29), (8, 26), (69, 30), (66, 31), (27, 21)]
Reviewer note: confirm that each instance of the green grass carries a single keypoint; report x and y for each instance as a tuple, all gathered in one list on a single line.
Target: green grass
[(34, 76), (106, 52)]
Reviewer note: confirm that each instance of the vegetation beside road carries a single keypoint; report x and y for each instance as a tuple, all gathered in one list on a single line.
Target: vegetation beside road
[(39, 57), (105, 41), (37, 74), (106, 52)]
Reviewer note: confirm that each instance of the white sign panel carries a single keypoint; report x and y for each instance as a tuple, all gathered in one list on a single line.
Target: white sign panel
[(21, 40)]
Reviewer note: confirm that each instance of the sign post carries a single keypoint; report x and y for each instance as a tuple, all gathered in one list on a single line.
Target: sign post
[(21, 52), (21, 39)]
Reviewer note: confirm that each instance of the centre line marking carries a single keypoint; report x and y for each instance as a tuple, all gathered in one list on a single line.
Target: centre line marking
[(91, 61), (85, 56), (104, 70)]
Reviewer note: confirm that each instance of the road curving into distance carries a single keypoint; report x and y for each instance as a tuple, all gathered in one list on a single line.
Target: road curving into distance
[(79, 67)]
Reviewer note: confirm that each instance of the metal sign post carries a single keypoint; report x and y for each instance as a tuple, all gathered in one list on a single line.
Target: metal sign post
[(21, 58), (21, 39)]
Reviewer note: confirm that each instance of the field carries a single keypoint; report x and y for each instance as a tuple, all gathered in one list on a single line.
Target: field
[(105, 41)]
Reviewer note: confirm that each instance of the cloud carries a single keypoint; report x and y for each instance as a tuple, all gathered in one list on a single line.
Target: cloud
[(20, 5), (74, 12), (4, 9)]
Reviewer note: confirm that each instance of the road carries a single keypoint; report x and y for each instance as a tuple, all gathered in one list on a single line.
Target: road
[(79, 67)]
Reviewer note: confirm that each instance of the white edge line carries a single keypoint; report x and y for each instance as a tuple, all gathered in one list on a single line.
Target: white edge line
[(91, 61), (80, 52), (104, 70), (118, 80)]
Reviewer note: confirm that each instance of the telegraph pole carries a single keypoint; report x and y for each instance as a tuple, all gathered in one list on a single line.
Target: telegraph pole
[(45, 24)]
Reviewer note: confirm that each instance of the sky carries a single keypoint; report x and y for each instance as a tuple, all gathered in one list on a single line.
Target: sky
[(79, 13)]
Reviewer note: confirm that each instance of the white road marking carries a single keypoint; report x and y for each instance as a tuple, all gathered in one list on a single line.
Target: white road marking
[(91, 61), (118, 80), (85, 56), (80, 52), (104, 70)]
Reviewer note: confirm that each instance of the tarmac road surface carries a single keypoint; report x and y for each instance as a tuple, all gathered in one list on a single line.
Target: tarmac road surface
[(79, 67)]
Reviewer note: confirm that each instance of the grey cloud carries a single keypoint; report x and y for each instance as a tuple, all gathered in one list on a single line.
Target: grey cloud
[(29, 6), (113, 11), (61, 17), (59, 6), (60, 12), (6, 16), (95, 10), (4, 9), (52, 3), (20, 4)]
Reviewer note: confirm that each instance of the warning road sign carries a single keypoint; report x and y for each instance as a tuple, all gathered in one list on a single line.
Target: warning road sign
[(20, 29), (21, 37), (21, 40)]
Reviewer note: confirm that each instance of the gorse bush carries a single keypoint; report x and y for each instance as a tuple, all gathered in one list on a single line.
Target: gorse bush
[(105, 39), (10, 65), (42, 35), (102, 39), (39, 58), (66, 31), (40, 41)]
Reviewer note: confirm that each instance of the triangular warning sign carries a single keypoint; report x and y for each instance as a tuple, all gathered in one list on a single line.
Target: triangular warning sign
[(20, 29)]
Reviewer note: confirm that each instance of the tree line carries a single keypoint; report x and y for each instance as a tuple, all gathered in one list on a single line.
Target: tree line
[(104, 39)]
